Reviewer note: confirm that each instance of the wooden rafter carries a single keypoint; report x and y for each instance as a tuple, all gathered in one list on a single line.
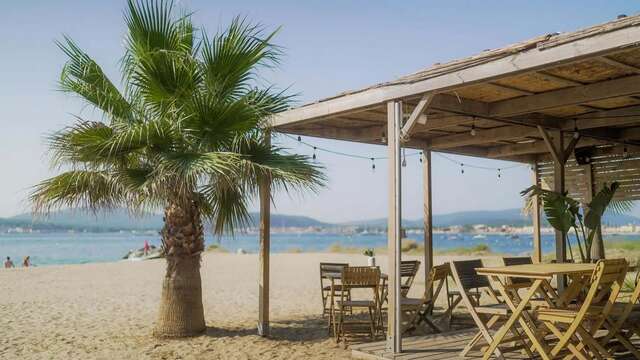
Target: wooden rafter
[(418, 111)]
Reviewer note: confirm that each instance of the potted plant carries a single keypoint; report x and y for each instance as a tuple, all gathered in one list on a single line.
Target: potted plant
[(371, 257), (565, 214)]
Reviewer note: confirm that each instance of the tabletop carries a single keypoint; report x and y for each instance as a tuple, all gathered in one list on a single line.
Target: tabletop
[(537, 271)]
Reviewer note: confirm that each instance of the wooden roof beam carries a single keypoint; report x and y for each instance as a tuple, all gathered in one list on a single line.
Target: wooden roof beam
[(618, 64), (417, 112), (629, 85)]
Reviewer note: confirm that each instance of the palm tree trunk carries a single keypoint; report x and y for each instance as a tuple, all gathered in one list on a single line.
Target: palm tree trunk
[(181, 311)]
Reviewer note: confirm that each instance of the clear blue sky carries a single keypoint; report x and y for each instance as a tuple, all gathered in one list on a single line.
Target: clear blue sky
[(331, 46)]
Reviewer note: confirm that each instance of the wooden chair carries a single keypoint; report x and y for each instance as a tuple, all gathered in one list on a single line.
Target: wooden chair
[(624, 322), (569, 325), (514, 284), (485, 316), (408, 271), (422, 308), (358, 277), (325, 284)]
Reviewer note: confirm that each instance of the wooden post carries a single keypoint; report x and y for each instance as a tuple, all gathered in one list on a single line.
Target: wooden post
[(597, 248), (535, 217), (394, 125), (265, 243), (428, 213), (558, 186)]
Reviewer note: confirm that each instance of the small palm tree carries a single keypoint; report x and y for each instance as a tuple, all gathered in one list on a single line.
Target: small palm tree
[(564, 213), (187, 133)]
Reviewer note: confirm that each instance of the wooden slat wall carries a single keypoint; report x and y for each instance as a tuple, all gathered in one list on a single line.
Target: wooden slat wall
[(606, 169)]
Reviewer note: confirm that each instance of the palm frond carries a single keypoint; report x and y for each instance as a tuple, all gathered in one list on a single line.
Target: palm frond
[(231, 58), (228, 205), (603, 201), (78, 189), (560, 210), (81, 75)]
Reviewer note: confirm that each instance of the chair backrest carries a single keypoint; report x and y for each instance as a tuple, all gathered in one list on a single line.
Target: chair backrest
[(436, 279), (408, 271), (465, 276), (517, 260), (361, 276), (607, 280), (331, 268)]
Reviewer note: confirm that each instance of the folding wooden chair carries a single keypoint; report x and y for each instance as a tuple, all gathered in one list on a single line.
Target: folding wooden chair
[(606, 282), (485, 316), (422, 308), (408, 271), (358, 277), (325, 284), (624, 322)]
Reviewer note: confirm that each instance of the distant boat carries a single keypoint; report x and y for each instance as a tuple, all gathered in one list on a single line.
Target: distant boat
[(480, 236), (515, 237)]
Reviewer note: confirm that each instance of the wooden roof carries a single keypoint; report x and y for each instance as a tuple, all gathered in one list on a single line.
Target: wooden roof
[(589, 79)]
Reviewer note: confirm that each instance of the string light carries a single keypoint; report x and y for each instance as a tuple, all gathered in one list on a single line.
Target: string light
[(420, 155), (383, 138), (498, 173), (625, 153), (473, 127), (373, 164), (576, 134)]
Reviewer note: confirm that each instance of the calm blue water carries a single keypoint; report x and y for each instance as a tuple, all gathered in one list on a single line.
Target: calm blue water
[(78, 248)]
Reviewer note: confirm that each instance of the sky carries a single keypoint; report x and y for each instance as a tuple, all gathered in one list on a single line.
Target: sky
[(330, 46)]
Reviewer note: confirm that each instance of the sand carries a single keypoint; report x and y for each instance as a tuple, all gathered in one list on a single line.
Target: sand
[(107, 311)]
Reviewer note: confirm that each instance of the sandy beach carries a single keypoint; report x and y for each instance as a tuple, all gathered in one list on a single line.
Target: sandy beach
[(107, 310)]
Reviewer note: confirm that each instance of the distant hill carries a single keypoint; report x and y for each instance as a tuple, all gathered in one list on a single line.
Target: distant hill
[(512, 217), (121, 219)]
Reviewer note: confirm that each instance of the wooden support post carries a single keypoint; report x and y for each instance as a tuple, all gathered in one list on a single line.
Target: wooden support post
[(558, 186), (535, 217), (428, 212), (597, 248), (265, 243), (394, 125)]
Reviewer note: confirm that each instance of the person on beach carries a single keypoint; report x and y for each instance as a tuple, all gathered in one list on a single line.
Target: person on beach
[(26, 262), (8, 264), (146, 247)]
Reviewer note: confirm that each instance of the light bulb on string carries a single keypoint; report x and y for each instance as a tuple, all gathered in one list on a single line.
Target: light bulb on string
[(373, 165), (461, 168), (299, 140), (314, 157), (383, 138), (625, 153), (404, 158), (498, 173), (473, 127), (576, 134), (421, 155)]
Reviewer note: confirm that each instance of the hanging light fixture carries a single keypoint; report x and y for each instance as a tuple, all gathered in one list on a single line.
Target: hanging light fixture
[(373, 165), (498, 173), (576, 134), (473, 127), (404, 158), (625, 153), (421, 155), (314, 154), (461, 168), (383, 138)]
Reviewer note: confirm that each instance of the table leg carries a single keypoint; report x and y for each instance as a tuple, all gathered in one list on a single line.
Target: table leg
[(519, 314), (332, 320)]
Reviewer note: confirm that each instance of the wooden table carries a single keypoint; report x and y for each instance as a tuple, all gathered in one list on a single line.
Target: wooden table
[(333, 276), (540, 275)]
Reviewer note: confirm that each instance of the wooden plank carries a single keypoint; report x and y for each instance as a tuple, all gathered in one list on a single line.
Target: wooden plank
[(531, 60), (394, 334), (265, 244), (559, 187), (616, 63), (428, 212), (415, 114), (535, 219), (563, 97)]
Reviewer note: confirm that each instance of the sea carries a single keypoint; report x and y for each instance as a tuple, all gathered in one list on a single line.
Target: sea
[(81, 248)]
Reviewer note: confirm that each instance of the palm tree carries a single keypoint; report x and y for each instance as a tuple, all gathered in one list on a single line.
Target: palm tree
[(187, 133)]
